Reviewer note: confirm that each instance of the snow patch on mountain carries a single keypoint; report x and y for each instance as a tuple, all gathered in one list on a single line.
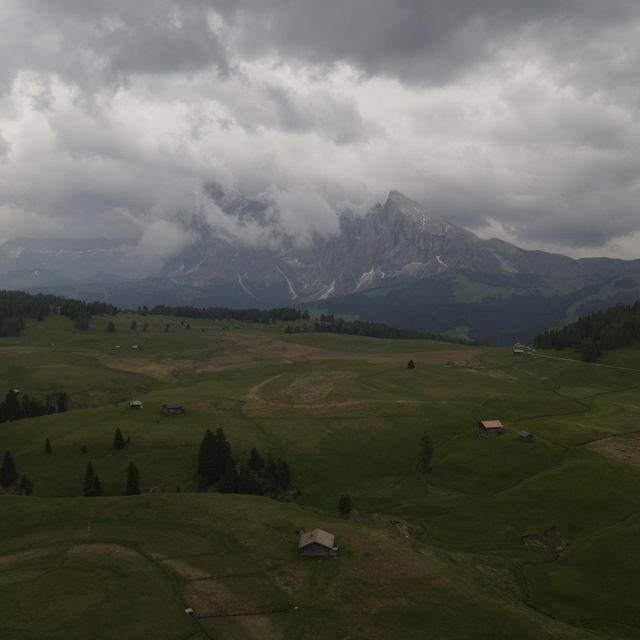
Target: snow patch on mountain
[(292, 291), (328, 291), (370, 277)]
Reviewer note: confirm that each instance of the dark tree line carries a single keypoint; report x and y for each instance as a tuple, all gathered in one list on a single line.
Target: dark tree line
[(81, 312), (253, 474), (611, 328), (18, 406), (258, 316), (16, 306), (330, 324)]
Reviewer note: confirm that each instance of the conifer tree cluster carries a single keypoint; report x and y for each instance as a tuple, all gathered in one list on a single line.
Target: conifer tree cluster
[(18, 406), (214, 459), (8, 472), (15, 306), (9, 476), (258, 316), (255, 475), (612, 328), (133, 480), (118, 440)]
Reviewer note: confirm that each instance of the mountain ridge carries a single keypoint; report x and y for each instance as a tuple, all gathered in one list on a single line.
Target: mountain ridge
[(399, 263)]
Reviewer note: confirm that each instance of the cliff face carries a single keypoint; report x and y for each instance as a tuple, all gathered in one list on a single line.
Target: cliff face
[(395, 240)]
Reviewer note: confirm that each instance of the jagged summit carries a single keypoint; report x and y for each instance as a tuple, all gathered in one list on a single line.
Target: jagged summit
[(400, 205), (405, 205)]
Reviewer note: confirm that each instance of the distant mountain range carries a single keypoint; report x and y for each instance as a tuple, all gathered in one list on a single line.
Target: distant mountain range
[(397, 264)]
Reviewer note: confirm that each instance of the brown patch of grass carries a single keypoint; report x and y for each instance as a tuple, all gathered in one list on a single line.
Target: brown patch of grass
[(624, 449), (214, 598), (159, 371), (20, 350), (313, 387), (186, 571)]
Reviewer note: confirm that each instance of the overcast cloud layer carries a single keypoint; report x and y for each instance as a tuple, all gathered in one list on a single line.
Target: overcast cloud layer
[(514, 119)]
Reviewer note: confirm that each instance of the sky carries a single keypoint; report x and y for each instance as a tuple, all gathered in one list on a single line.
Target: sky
[(515, 119)]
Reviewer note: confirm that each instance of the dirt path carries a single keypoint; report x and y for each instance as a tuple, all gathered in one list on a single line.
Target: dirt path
[(593, 364)]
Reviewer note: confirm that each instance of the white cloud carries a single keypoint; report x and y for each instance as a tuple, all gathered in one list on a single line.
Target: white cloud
[(515, 117)]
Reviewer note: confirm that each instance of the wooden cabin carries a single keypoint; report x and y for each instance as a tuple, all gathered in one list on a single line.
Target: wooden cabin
[(490, 428), (317, 543)]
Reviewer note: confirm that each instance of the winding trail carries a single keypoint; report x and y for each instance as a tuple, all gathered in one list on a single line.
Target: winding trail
[(592, 364)]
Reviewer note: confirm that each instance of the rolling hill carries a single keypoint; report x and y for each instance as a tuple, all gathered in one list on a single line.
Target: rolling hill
[(503, 538)]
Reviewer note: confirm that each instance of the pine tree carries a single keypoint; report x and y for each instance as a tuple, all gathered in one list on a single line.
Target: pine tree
[(96, 487), (229, 481), (118, 440), (8, 473), (206, 471), (63, 402), (133, 480), (222, 455), (344, 505), (89, 478), (256, 461), (213, 458), (47, 447)]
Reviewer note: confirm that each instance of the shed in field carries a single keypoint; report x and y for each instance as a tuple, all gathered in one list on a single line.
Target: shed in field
[(171, 409), (490, 428), (135, 404), (317, 543), (525, 436)]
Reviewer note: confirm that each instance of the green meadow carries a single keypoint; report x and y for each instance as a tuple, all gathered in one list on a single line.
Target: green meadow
[(502, 539)]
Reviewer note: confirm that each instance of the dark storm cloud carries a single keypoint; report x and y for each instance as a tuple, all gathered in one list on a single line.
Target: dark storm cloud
[(417, 40), (517, 117), (92, 43)]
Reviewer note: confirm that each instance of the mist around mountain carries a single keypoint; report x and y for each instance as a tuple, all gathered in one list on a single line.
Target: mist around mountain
[(399, 264)]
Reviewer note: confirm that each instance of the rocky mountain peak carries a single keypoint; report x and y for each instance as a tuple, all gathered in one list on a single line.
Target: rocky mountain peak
[(398, 204)]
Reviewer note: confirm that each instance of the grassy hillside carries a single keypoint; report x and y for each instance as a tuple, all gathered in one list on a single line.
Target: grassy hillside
[(503, 539)]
